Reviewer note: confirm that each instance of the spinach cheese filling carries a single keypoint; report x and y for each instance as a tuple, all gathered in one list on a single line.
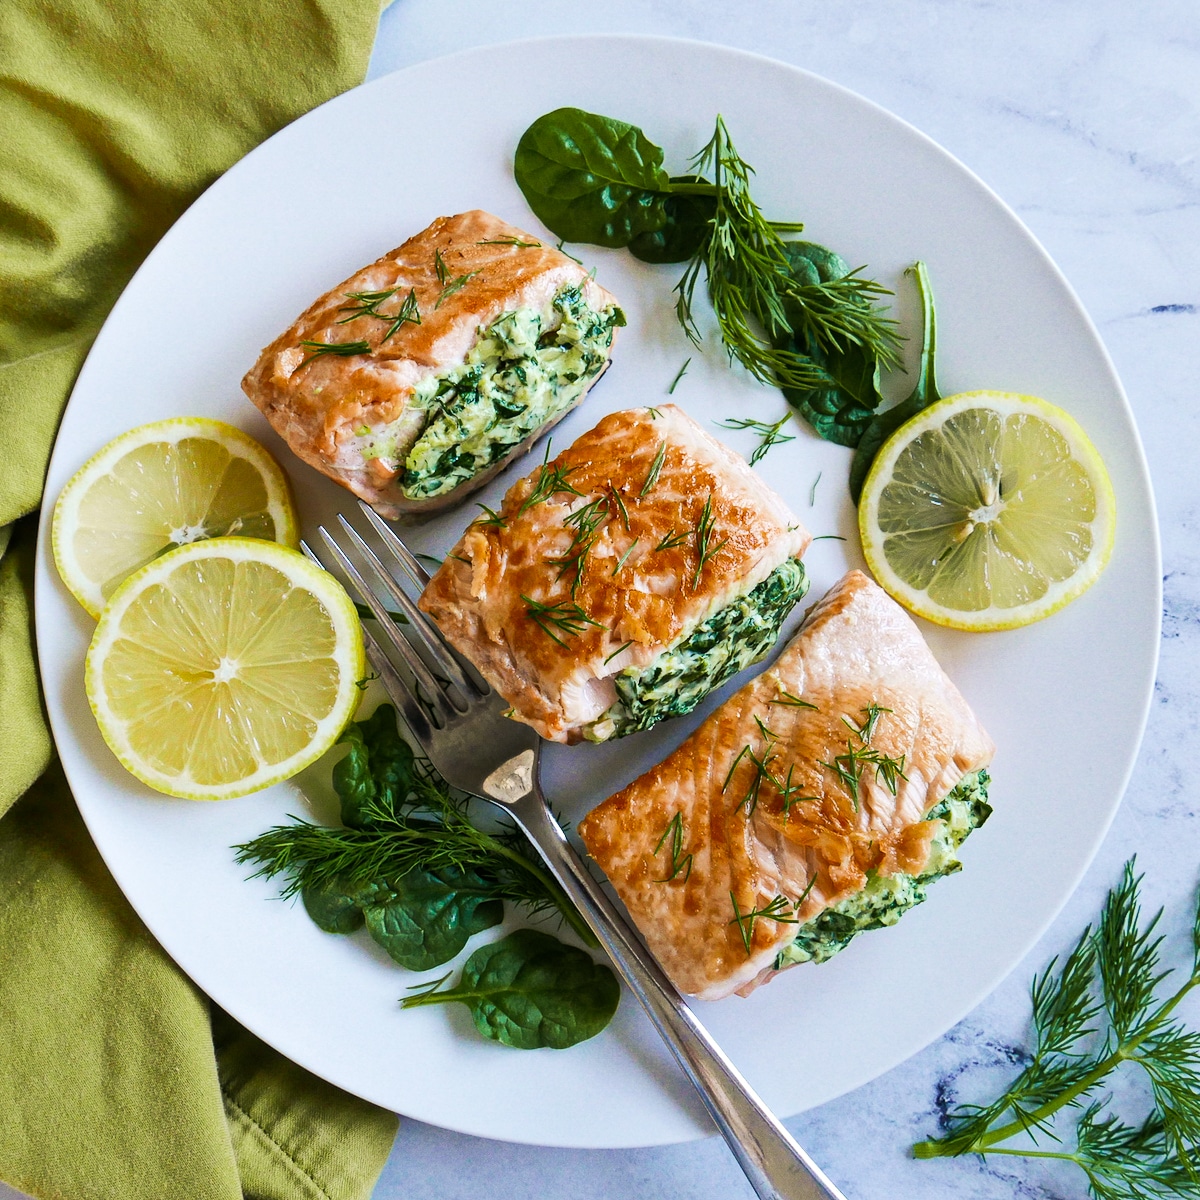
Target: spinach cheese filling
[(885, 899), (732, 638), (522, 372)]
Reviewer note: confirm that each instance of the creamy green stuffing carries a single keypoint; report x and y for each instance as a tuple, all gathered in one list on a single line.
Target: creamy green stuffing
[(735, 636), (886, 898), (522, 372)]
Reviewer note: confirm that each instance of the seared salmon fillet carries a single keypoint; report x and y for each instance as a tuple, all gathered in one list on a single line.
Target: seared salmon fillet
[(817, 772), (415, 380), (623, 580)]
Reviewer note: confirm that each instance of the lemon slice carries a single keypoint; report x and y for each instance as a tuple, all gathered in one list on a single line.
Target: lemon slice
[(159, 486), (989, 510), (223, 667)]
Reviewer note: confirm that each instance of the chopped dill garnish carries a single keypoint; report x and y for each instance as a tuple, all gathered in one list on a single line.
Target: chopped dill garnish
[(654, 413), (490, 517), (705, 550), (871, 713), (562, 249), (624, 557), (848, 769), (366, 304), (679, 860), (769, 734), (790, 701), (671, 539), (787, 793), (340, 349), (829, 537), (888, 769), (617, 651), (770, 435), (620, 503), (812, 491), (567, 617), (733, 766), (679, 375), (804, 894), (459, 558), (775, 910), (586, 521), (449, 286), (366, 680), (510, 241), (655, 470), (550, 482)]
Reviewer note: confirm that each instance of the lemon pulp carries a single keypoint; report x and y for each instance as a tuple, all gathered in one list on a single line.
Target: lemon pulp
[(987, 511), (223, 667)]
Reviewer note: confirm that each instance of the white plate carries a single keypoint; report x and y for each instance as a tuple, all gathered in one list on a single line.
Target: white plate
[(1065, 699)]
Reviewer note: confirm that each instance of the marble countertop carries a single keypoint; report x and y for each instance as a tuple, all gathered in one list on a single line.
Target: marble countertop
[(1084, 115)]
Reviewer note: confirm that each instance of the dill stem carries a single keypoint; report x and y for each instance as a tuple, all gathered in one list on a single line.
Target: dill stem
[(1125, 1052), (569, 912)]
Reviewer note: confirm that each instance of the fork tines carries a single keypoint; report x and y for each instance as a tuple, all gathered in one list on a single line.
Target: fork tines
[(433, 700)]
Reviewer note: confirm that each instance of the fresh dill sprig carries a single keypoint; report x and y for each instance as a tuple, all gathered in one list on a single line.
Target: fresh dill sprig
[(490, 517), (339, 349), (550, 482), (625, 557), (775, 910), (510, 241), (366, 304), (770, 435), (671, 539), (586, 521), (679, 860), (429, 829), (812, 491), (848, 769), (1099, 1010), (790, 701), (754, 292), (566, 617), (619, 503), (679, 375), (655, 470), (449, 285), (829, 537), (654, 413), (618, 650), (866, 731), (788, 797), (705, 550), (562, 249)]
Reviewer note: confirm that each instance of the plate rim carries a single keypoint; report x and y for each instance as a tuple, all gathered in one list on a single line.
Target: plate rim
[(44, 582)]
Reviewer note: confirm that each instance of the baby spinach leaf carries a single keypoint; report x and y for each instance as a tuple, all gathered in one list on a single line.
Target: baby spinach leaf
[(379, 767), (529, 990), (333, 907), (591, 178), (842, 405), (424, 918), (689, 221), (922, 396)]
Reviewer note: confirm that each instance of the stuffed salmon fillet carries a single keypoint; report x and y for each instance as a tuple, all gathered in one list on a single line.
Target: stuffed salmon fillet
[(820, 800), (418, 378), (624, 580)]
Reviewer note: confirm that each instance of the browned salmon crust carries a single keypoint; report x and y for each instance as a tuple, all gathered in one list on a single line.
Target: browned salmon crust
[(857, 648), (316, 404), (636, 595)]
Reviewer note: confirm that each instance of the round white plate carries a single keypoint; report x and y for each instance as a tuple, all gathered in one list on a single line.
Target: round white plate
[(1065, 700)]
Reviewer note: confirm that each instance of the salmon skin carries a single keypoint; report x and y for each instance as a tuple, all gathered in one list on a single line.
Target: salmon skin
[(821, 769), (457, 277), (602, 559)]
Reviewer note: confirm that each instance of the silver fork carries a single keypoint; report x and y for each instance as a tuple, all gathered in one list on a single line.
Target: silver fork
[(459, 723)]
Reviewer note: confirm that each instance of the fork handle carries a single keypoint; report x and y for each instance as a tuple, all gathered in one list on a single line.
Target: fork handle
[(776, 1166)]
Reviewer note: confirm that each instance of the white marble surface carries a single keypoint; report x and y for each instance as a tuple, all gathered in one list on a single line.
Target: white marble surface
[(1085, 116)]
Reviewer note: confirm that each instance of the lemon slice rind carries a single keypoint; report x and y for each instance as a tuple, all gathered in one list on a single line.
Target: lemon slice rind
[(88, 590), (301, 573), (994, 617)]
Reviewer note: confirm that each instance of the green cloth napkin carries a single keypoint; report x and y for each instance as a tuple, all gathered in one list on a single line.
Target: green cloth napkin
[(117, 1081)]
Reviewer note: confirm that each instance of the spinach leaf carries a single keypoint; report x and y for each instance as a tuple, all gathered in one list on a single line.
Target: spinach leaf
[(378, 770), (842, 404), (529, 990), (333, 906), (424, 918), (689, 222), (591, 178), (922, 396)]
